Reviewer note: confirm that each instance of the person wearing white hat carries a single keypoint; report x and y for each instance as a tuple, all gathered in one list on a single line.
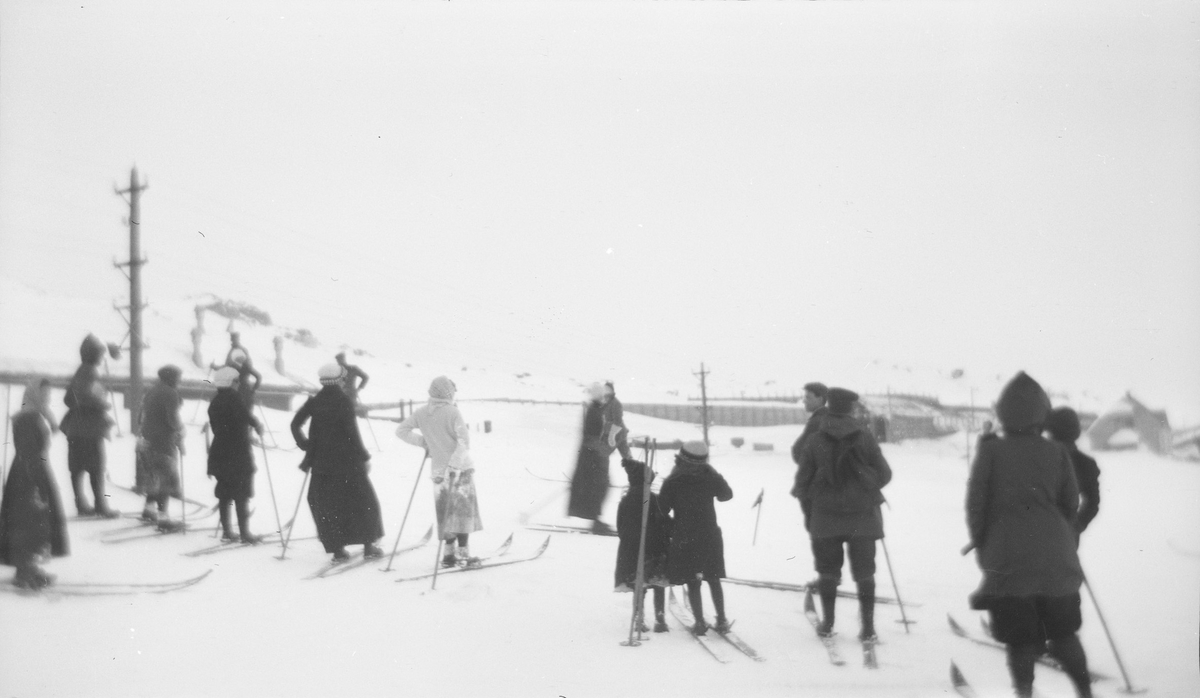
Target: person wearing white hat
[(343, 501)]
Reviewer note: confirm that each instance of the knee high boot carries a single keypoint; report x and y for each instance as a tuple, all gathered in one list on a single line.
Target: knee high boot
[(718, 597), (697, 603), (243, 515), (81, 504), (226, 524), (1021, 659), (1069, 653), (866, 608), (827, 588)]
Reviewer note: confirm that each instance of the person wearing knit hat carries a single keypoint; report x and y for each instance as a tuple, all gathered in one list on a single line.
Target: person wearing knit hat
[(231, 456), (590, 481), (86, 426), (1063, 426), (1022, 504), (657, 543), (814, 403), (160, 444), (697, 551), (343, 501), (444, 435), (839, 483)]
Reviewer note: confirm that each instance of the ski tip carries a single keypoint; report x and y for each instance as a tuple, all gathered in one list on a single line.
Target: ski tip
[(545, 544), (955, 627), (428, 535), (508, 541)]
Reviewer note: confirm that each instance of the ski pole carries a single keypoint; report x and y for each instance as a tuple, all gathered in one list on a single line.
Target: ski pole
[(437, 563), (1128, 686), (757, 505), (371, 428), (299, 499), (266, 427), (639, 584), (891, 573), (406, 510), (182, 498), (271, 484), (7, 418)]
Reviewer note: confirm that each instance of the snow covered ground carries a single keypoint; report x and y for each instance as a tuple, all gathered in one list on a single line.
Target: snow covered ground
[(553, 627)]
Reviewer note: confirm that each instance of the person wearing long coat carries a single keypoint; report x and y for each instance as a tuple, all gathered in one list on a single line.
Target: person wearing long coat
[(658, 542), (1021, 505), (342, 499), (231, 455), (32, 524), (161, 444), (86, 426), (590, 481), (445, 437), (842, 472), (697, 551)]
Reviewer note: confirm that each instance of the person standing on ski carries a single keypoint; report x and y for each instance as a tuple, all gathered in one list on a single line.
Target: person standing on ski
[(1063, 426), (32, 524), (697, 551), (356, 378), (1022, 503), (814, 403), (842, 472), (446, 439), (589, 483), (87, 426), (161, 444), (231, 455), (343, 501), (658, 541)]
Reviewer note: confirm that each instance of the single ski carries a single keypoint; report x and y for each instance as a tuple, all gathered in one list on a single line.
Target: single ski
[(232, 545), (487, 563), (960, 682), (1043, 659), (733, 639), (106, 589), (787, 586), (567, 528), (158, 531), (684, 617), (362, 560), (810, 612)]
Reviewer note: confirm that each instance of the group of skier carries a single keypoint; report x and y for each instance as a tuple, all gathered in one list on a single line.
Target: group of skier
[(1028, 497)]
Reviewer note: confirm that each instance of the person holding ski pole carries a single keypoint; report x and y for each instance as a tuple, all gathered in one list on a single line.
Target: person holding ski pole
[(444, 434), (658, 541), (1022, 503), (697, 551), (160, 444), (231, 455), (839, 484), (343, 500)]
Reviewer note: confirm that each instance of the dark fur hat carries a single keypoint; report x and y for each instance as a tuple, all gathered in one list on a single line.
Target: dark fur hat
[(841, 401), (1063, 425)]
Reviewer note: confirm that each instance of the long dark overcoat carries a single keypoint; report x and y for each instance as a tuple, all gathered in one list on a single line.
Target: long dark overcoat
[(629, 528), (86, 422), (31, 515), (589, 484), (839, 480), (342, 499), (697, 547), (231, 455)]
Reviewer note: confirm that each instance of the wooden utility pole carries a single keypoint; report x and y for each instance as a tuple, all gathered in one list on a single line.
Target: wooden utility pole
[(135, 263), (703, 402)]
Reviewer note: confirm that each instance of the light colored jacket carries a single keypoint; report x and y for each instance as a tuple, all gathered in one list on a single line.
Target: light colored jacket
[(444, 435)]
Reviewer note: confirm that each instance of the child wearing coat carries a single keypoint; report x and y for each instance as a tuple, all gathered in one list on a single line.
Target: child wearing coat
[(658, 539)]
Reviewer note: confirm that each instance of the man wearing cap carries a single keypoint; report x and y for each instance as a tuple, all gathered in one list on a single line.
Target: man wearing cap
[(161, 438), (842, 472), (343, 501)]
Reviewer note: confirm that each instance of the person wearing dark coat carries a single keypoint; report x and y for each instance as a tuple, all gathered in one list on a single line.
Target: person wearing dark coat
[(342, 499), (231, 455), (814, 403), (840, 482), (86, 426), (697, 551), (1063, 426), (589, 483), (356, 378), (1022, 503), (161, 444), (32, 524), (658, 540)]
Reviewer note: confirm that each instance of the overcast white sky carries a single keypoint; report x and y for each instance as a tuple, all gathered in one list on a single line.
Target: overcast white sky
[(781, 190)]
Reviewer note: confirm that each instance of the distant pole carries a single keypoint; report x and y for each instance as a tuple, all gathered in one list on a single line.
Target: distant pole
[(135, 263), (703, 402)]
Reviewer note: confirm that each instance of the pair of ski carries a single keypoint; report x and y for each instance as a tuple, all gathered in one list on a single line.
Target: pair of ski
[(683, 614), (106, 588), (486, 561), (870, 661), (358, 559), (1044, 660)]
